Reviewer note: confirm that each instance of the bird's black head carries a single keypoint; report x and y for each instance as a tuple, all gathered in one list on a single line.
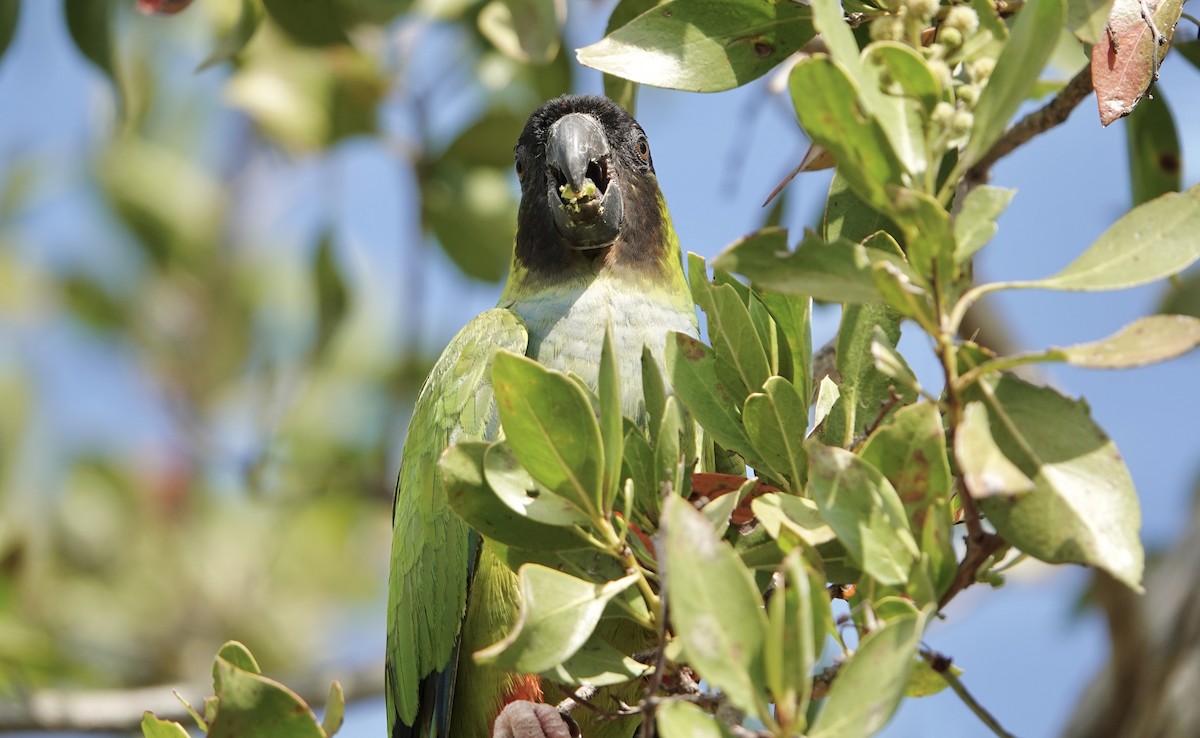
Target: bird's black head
[(588, 189)]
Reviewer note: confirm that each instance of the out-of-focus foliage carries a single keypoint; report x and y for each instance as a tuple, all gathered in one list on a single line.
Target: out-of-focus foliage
[(246, 492)]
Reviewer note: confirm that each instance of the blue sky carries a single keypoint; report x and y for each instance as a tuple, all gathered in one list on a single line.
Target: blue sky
[(1025, 657)]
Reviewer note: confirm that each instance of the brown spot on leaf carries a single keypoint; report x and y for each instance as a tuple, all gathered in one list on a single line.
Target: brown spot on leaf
[(763, 49), (1168, 162)]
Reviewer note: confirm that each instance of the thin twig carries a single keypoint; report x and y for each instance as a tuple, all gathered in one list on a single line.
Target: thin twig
[(1043, 119), (941, 665)]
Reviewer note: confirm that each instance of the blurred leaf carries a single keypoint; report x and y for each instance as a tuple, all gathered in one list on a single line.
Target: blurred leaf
[(1034, 35), (1155, 162), (335, 710), (251, 704), (557, 616), (1145, 341), (862, 507), (1126, 57), (985, 470), (925, 682), (551, 428), (9, 17), (92, 303), (332, 292), (90, 25), (715, 606), (702, 45), (473, 214), (524, 30), (611, 421), (654, 390), (1083, 508), (692, 368), (827, 104), (474, 500), (775, 420), (153, 727), (598, 664), (1087, 19), (678, 719), (1152, 241), (1190, 50), (488, 142), (1183, 295), (238, 35), (975, 223), (798, 614), (309, 22), (871, 684)]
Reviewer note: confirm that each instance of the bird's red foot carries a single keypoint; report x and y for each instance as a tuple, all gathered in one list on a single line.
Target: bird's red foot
[(523, 719)]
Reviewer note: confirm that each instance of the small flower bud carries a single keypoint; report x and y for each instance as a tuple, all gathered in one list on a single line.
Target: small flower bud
[(962, 19), (951, 38), (962, 122), (943, 114), (887, 28), (923, 9), (968, 95), (981, 69)]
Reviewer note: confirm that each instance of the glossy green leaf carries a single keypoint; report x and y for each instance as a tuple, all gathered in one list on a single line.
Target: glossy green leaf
[(1152, 241), (775, 419), (557, 616), (715, 606), (1083, 508), (473, 499), (1155, 161), (9, 16), (826, 103), (153, 727), (598, 664), (335, 710), (910, 450), (862, 507), (678, 719), (985, 470), (251, 704), (702, 45), (551, 428), (975, 223), (871, 684), (692, 368), (238, 35), (1034, 36), (310, 23), (1145, 341), (523, 30)]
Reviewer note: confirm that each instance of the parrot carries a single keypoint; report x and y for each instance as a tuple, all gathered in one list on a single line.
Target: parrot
[(594, 247)]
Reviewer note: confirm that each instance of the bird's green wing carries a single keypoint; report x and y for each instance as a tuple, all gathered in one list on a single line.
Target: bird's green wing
[(430, 556)]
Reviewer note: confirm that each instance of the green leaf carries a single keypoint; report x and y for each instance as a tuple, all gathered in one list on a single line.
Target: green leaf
[(1152, 241), (928, 235), (891, 364), (862, 507), (309, 23), (523, 30), (797, 623), (472, 212), (671, 452), (702, 45), (715, 606), (622, 91), (847, 215), (839, 271), (1083, 508), (975, 223), (1034, 36), (775, 420), (332, 294), (910, 451), (908, 69), (782, 515), (985, 470), (925, 682), (793, 321), (153, 727), (863, 388), (731, 330), (826, 103), (335, 710), (611, 421), (1155, 161), (473, 499), (654, 390), (89, 22), (871, 684), (678, 719), (597, 664), (9, 17), (251, 704), (236, 38), (692, 368), (1145, 341), (516, 488), (557, 616), (1087, 19), (551, 428), (237, 654), (1183, 295), (827, 396)]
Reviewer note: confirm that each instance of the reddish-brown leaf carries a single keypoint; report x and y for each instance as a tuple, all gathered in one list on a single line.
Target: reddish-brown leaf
[(1124, 61)]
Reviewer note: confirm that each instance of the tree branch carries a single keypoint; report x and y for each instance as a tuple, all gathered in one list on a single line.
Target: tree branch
[(1043, 119), (120, 710), (941, 665)]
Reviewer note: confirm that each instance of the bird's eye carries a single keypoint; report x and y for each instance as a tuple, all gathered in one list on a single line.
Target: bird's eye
[(643, 150), (519, 168)]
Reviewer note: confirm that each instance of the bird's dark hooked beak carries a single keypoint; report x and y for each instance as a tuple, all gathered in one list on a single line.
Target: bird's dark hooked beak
[(582, 188)]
